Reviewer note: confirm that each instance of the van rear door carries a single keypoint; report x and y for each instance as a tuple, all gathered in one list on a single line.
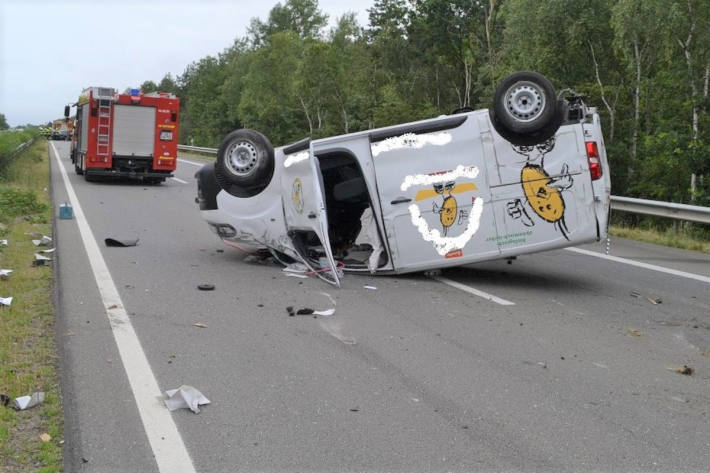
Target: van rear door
[(305, 213), (542, 194)]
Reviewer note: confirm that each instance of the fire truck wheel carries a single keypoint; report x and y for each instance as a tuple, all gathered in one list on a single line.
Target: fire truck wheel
[(245, 162), (525, 104)]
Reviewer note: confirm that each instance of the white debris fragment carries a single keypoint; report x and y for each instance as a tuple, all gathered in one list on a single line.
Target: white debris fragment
[(5, 301), (372, 288), (25, 402), (185, 397), (296, 270), (4, 273), (43, 242), (51, 250), (3, 242)]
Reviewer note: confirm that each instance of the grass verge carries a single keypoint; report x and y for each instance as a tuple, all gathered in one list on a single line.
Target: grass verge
[(680, 238), (28, 361)]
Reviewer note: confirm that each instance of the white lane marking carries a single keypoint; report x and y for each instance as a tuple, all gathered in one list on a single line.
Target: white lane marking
[(639, 264), (473, 291), (190, 162), (179, 180), (165, 440)]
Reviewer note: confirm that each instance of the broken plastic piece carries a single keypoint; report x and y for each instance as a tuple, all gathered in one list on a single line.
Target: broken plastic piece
[(26, 402), (4, 400), (199, 324), (185, 397), (121, 242), (3, 242), (206, 287), (305, 311), (372, 288), (5, 301), (43, 242), (4, 273), (654, 300)]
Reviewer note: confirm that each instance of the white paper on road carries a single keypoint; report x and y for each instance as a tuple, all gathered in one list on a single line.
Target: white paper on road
[(185, 397), (5, 301)]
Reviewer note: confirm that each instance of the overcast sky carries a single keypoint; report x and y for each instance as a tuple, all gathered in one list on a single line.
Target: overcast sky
[(51, 50)]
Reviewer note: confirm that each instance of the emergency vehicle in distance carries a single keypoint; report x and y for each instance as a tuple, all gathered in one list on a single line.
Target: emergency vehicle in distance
[(132, 135)]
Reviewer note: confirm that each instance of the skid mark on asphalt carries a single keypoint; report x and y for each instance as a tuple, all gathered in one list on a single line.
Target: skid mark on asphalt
[(163, 435)]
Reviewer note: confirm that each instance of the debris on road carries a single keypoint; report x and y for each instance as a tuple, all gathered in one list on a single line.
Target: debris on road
[(635, 294), (26, 402), (632, 332), (44, 241), (654, 300), (685, 369), (200, 325), (5, 301), (296, 270), (206, 287), (66, 211), (121, 242), (372, 288), (185, 397), (4, 273)]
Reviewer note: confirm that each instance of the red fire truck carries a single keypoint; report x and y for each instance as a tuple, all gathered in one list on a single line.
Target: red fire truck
[(125, 135)]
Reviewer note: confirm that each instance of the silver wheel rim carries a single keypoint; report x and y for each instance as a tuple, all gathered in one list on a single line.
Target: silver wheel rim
[(242, 158), (525, 101)]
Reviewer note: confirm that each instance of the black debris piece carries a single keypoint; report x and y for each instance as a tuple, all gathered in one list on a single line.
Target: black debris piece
[(121, 242), (290, 311), (206, 287), (4, 399), (305, 311)]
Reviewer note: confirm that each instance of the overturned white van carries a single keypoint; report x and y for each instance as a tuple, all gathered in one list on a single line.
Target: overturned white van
[(528, 175)]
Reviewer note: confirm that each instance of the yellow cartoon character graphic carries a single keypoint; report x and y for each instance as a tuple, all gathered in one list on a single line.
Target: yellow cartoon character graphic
[(543, 193)]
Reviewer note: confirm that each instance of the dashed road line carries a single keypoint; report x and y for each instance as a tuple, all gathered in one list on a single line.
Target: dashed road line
[(639, 264), (475, 292), (165, 440)]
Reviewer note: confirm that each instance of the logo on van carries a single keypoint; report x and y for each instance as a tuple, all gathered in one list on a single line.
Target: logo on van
[(297, 195)]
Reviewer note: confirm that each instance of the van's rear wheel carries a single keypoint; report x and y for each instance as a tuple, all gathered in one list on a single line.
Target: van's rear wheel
[(525, 109), (245, 163)]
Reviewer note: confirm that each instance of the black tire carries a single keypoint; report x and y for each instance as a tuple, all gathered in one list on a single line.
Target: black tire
[(530, 139), (525, 104), (77, 166), (245, 163)]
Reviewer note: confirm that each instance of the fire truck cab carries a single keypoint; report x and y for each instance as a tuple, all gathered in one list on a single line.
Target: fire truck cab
[(132, 135)]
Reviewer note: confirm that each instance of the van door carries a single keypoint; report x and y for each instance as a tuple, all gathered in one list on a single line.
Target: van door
[(542, 194), (305, 215), (434, 194)]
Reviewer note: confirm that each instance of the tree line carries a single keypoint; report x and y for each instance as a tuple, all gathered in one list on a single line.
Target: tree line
[(644, 63)]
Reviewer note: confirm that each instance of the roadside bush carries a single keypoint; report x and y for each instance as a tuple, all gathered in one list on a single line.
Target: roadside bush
[(16, 202), (9, 141)]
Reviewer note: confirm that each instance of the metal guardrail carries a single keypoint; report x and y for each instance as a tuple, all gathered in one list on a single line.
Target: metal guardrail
[(692, 213), (197, 149)]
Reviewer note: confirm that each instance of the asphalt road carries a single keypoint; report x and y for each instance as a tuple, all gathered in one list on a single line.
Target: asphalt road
[(415, 376)]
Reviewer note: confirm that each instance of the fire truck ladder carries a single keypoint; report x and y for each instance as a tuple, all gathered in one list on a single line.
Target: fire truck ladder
[(104, 128)]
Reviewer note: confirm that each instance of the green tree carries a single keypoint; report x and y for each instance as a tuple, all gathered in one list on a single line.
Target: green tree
[(3, 122), (301, 17), (148, 87)]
